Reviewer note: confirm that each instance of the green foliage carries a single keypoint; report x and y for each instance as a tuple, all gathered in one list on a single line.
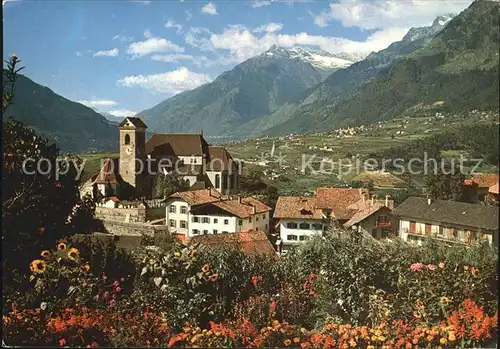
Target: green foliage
[(446, 185), (251, 183), (166, 185), (11, 75)]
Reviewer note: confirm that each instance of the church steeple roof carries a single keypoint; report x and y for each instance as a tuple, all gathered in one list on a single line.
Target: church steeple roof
[(135, 121)]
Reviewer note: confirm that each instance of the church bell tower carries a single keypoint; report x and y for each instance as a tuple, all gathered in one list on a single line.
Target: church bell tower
[(133, 167)]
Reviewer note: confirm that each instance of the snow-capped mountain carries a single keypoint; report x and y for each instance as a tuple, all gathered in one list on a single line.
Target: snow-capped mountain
[(317, 58), (420, 32)]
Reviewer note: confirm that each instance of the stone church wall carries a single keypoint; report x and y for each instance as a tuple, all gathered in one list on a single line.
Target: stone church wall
[(120, 214)]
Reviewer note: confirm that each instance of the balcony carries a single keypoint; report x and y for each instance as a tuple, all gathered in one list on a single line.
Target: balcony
[(383, 224)]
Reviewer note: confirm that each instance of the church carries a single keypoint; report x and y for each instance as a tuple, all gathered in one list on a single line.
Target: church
[(133, 174)]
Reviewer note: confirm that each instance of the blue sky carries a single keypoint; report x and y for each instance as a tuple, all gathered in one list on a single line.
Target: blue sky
[(126, 56)]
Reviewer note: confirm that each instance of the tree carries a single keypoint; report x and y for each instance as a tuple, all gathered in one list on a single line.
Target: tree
[(10, 76), (40, 193), (166, 185), (446, 185)]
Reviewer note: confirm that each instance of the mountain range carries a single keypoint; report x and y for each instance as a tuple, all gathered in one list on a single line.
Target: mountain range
[(451, 65), (71, 125), (298, 90)]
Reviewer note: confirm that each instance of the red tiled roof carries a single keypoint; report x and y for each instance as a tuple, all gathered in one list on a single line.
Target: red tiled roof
[(338, 200), (297, 207), (219, 159), (177, 144), (244, 208), (251, 242), (363, 213), (107, 175), (485, 180), (493, 189), (198, 197)]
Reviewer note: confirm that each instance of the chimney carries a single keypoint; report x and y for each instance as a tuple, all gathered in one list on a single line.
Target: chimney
[(373, 199), (239, 199), (364, 198), (387, 200), (254, 209), (429, 201)]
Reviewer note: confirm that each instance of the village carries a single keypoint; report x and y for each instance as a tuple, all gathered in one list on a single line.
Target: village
[(211, 210)]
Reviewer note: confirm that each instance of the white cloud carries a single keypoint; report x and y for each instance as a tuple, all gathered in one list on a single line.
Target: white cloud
[(209, 9), (260, 3), (269, 28), (171, 82), (384, 14), (152, 45), (122, 113), (123, 38), (189, 15), (98, 103), (108, 53), (173, 57), (238, 43), (78, 53), (173, 24)]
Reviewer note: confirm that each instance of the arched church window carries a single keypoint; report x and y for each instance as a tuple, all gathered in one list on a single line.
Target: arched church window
[(127, 139), (217, 181)]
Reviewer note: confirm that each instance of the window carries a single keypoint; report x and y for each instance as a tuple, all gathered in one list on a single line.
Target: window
[(291, 225), (240, 222), (256, 228), (256, 219), (206, 220), (317, 226), (195, 231), (196, 219), (217, 181), (183, 224), (205, 232), (183, 209), (303, 238), (264, 216), (127, 139), (172, 223), (291, 237), (304, 226), (249, 219), (214, 231), (382, 218), (216, 220), (265, 227), (224, 232), (226, 221), (171, 209)]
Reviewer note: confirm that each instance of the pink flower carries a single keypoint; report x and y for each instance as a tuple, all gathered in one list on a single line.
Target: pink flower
[(213, 278), (431, 267), (96, 298), (112, 303), (118, 289), (105, 295), (116, 283), (417, 266), (104, 277), (122, 279)]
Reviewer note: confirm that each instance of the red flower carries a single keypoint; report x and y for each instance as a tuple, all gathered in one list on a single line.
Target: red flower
[(62, 342), (213, 278), (41, 230)]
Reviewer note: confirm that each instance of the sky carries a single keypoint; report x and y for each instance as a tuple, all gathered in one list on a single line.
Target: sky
[(124, 56)]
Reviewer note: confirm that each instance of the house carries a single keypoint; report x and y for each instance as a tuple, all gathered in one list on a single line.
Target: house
[(252, 243), (477, 187), (133, 174), (206, 211), (450, 221), (493, 196), (300, 218)]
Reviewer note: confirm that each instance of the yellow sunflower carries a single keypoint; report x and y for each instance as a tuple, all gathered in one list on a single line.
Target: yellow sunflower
[(205, 268), (73, 253), (45, 254), (61, 246), (86, 268), (38, 266)]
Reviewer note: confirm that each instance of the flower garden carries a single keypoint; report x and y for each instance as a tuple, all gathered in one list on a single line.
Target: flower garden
[(329, 293)]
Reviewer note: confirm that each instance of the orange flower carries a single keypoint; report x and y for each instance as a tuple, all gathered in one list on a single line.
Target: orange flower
[(62, 342), (61, 246), (73, 253), (38, 266), (41, 230), (296, 340)]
